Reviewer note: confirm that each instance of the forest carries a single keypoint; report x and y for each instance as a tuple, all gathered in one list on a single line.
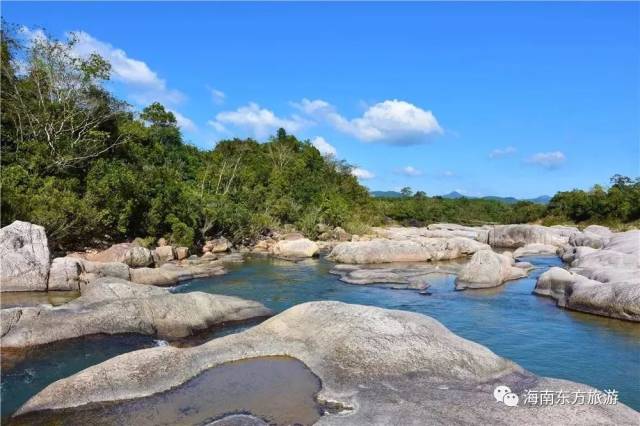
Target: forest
[(92, 171)]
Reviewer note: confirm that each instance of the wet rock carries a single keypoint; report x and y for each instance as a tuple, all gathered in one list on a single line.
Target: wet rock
[(296, 248), (488, 269), (24, 257), (385, 366), (112, 306)]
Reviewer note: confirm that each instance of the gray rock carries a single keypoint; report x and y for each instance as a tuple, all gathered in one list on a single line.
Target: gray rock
[(112, 306), (415, 250), (383, 366), (24, 257), (535, 249), (603, 282), (298, 248), (488, 269), (65, 274), (514, 236)]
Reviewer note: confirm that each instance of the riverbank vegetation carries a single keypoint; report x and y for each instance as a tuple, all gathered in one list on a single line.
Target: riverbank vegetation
[(81, 163)]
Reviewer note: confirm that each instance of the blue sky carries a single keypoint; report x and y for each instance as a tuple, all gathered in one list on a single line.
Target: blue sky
[(505, 99)]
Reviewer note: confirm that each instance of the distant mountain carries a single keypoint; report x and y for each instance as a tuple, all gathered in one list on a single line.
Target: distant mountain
[(454, 195), (386, 194), (543, 199)]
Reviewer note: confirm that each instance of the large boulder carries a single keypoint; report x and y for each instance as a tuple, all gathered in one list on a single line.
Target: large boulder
[(413, 250), (127, 253), (24, 257), (380, 366), (488, 269), (112, 306), (573, 291), (298, 248), (65, 274), (218, 245), (602, 281), (436, 230), (514, 236), (165, 254)]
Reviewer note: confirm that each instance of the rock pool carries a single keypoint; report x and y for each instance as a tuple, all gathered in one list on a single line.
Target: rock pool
[(528, 329)]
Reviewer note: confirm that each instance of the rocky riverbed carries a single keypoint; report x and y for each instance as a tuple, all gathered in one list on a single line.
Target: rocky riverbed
[(120, 292)]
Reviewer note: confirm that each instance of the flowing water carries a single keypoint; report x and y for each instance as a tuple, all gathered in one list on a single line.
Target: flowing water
[(514, 323)]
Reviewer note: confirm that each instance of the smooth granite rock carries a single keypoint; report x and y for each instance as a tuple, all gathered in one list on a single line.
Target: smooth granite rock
[(296, 248), (383, 366), (24, 257), (488, 269), (514, 236), (419, 249), (112, 306), (603, 282), (535, 249)]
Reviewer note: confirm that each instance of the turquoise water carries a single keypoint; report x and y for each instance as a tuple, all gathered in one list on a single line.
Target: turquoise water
[(512, 322)]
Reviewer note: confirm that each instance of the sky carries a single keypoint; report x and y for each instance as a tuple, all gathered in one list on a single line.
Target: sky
[(507, 99)]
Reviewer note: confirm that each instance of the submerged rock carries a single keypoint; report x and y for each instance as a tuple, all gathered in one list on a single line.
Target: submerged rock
[(384, 366), (488, 269), (24, 257), (112, 306)]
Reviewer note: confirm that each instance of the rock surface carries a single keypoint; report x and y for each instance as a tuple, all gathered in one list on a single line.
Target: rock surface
[(298, 248), (24, 257), (603, 282), (535, 249), (127, 253), (514, 236), (113, 306), (418, 249), (165, 254), (218, 245), (488, 269), (385, 366)]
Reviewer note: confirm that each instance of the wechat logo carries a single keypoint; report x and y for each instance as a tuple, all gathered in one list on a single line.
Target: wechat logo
[(504, 394)]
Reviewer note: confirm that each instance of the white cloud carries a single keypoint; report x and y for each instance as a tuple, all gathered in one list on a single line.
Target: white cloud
[(218, 126), (392, 121), (411, 171), (184, 122), (502, 152), (142, 85), (217, 96), (362, 173), (323, 146), (145, 85), (260, 122), (547, 160)]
